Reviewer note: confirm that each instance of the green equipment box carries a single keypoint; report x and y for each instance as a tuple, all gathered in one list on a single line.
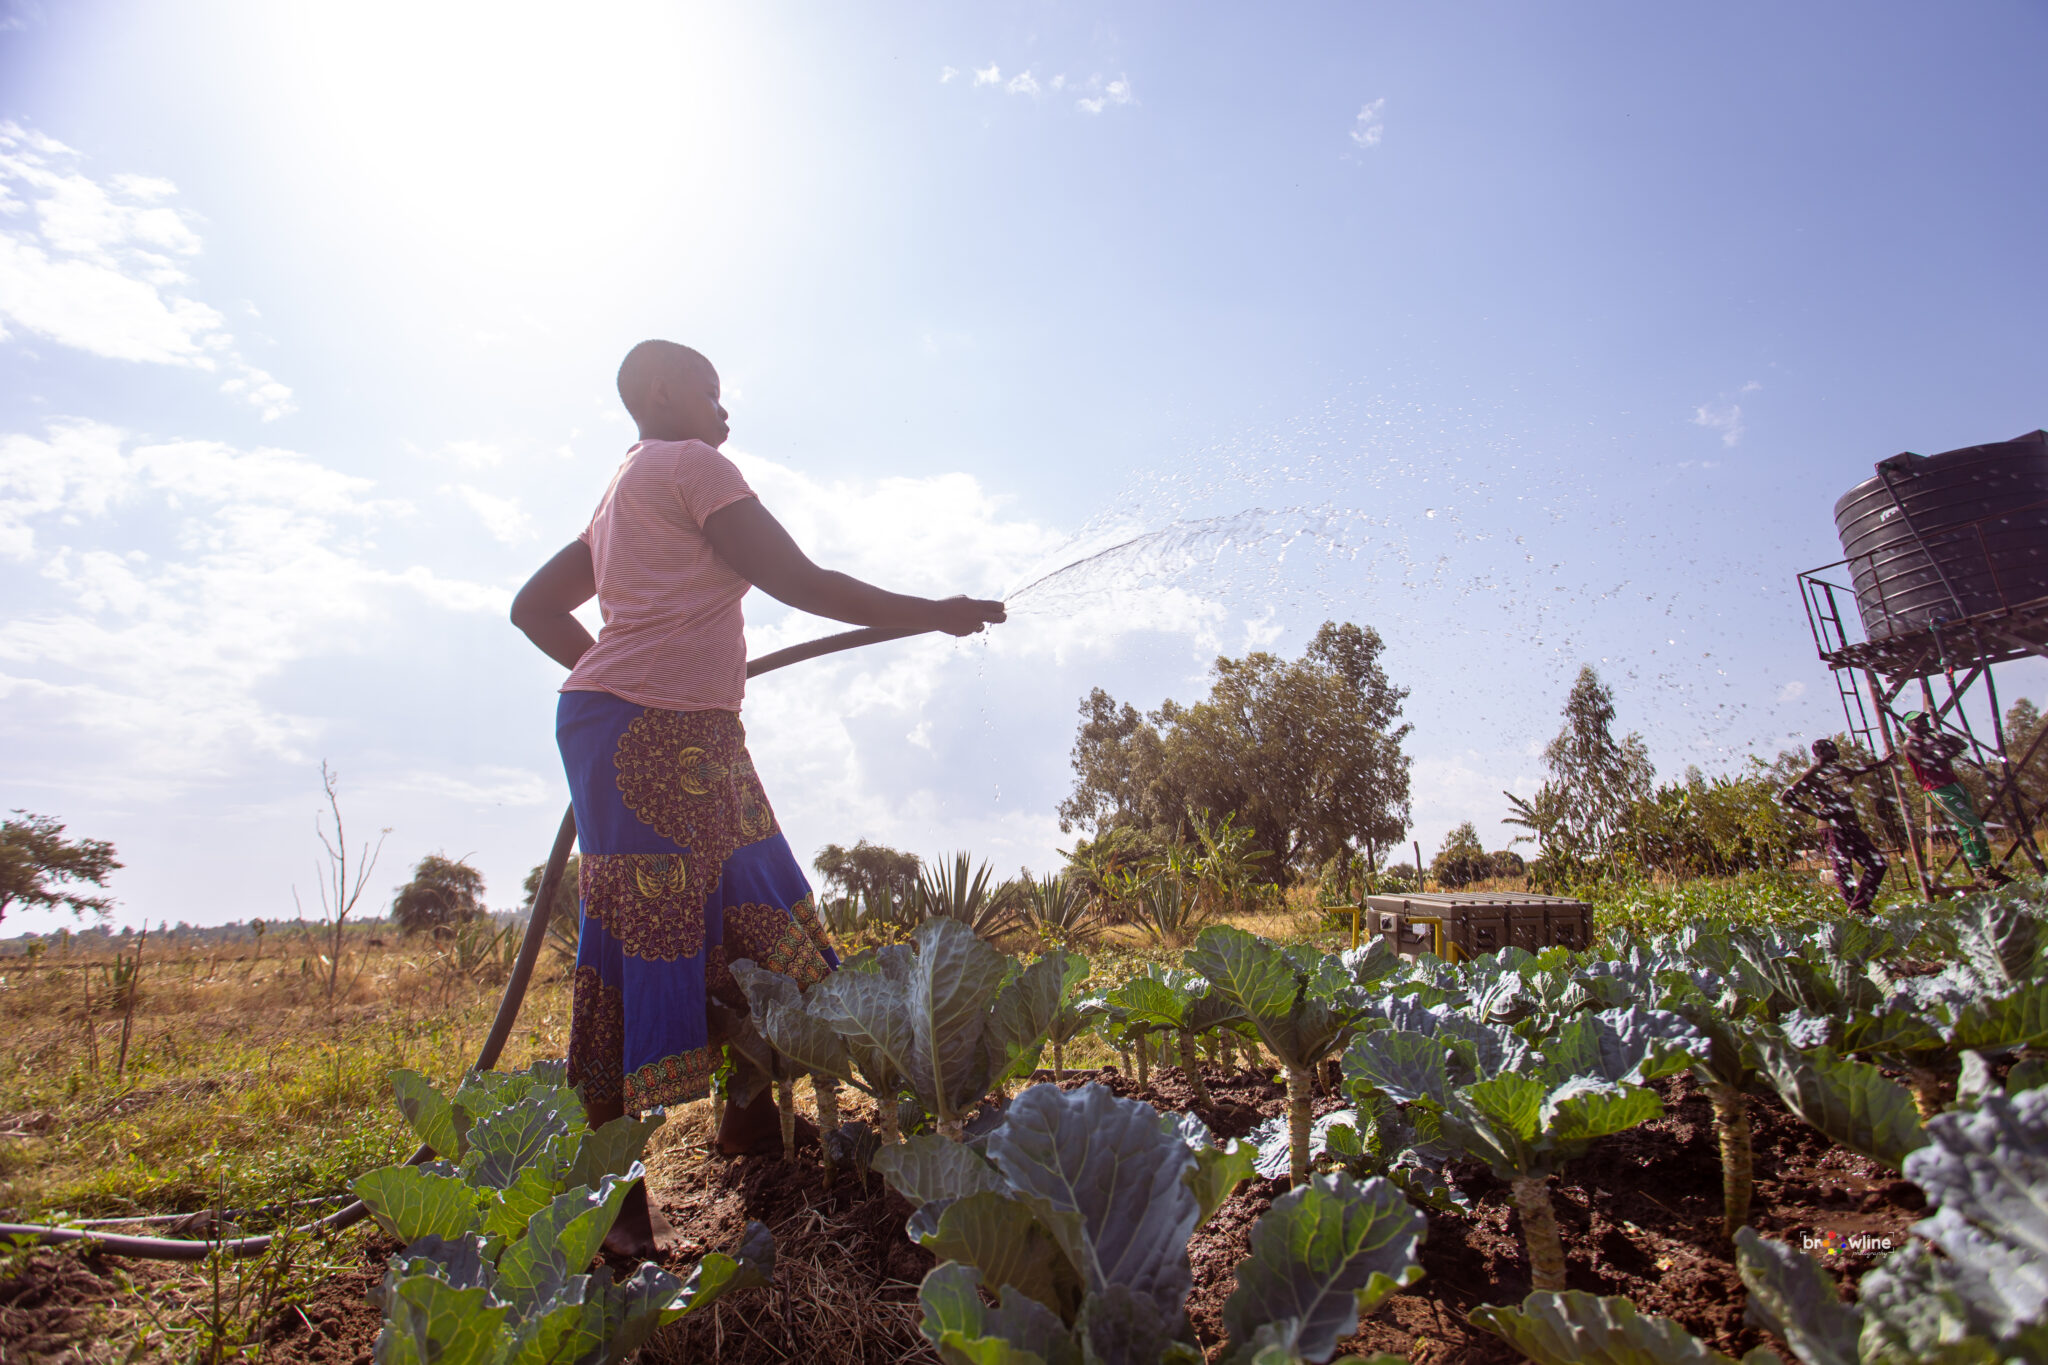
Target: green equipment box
[(1459, 924)]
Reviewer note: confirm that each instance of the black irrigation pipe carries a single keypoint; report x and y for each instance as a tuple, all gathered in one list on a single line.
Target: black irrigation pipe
[(185, 1249)]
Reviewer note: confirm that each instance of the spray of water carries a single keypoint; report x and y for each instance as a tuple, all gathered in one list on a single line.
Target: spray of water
[(1180, 551)]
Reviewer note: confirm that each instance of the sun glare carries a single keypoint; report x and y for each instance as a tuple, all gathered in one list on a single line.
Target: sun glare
[(517, 135)]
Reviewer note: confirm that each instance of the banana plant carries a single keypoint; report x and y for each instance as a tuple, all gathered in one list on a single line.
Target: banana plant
[(1298, 1026)]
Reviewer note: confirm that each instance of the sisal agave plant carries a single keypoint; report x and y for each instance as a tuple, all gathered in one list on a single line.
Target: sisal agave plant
[(1059, 910), (1171, 909), (967, 894)]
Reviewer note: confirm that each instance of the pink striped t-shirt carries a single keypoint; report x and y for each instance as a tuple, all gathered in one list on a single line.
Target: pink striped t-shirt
[(673, 634)]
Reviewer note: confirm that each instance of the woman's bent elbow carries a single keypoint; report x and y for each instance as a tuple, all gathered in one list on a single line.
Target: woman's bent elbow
[(526, 613)]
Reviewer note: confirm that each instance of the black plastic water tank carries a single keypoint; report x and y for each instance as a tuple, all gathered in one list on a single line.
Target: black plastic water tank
[(1935, 538)]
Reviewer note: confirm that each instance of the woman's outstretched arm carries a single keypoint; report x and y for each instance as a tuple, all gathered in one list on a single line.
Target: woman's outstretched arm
[(759, 550), (542, 608)]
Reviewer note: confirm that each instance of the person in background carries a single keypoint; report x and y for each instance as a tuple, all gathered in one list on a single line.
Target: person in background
[(1931, 755), (1822, 791), (684, 868)]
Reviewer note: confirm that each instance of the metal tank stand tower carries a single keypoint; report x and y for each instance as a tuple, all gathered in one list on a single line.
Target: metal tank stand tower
[(1947, 561)]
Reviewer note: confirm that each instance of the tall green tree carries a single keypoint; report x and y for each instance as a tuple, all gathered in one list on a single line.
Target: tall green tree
[(1595, 780), (867, 870), (1462, 860), (442, 891), (1120, 772), (565, 913), (36, 860), (2023, 724), (1306, 753), (1601, 777)]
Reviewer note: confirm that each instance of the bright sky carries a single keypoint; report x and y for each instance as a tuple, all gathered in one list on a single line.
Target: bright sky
[(1563, 325)]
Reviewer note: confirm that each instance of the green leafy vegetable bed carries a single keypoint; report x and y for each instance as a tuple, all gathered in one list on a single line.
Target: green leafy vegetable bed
[(1580, 1157)]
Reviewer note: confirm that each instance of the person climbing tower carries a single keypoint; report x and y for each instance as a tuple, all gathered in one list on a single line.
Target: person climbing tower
[(1931, 755), (684, 867), (1822, 791)]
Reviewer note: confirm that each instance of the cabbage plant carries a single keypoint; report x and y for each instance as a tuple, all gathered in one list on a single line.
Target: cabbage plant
[(1926, 1023), (1375, 1137), (1972, 1288), (946, 1013), (1525, 1113), (1169, 1001), (508, 1143), (1077, 1224), (798, 1041), (1850, 1102), (1298, 1025), (1076, 1019), (502, 1228)]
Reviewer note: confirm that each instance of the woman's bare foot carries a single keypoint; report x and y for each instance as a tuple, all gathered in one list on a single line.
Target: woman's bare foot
[(640, 1233), (756, 1129)]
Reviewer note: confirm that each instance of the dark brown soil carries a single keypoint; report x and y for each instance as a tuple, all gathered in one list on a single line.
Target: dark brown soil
[(49, 1301), (1640, 1215), (338, 1323)]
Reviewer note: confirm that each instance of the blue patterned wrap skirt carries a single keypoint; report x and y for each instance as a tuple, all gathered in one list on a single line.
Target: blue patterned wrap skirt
[(683, 871)]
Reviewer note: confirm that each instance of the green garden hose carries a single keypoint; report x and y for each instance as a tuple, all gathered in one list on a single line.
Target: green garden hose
[(185, 1249)]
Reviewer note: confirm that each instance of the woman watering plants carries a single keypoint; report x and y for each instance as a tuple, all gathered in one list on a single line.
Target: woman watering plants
[(684, 868)]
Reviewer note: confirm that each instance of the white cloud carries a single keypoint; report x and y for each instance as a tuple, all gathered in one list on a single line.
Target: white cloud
[(504, 518), (1107, 94), (1101, 93), (256, 387), (471, 454), (1725, 415), (259, 560), (1368, 127), (1468, 785), (901, 740), (1792, 691), (97, 266), (1725, 418), (485, 786)]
